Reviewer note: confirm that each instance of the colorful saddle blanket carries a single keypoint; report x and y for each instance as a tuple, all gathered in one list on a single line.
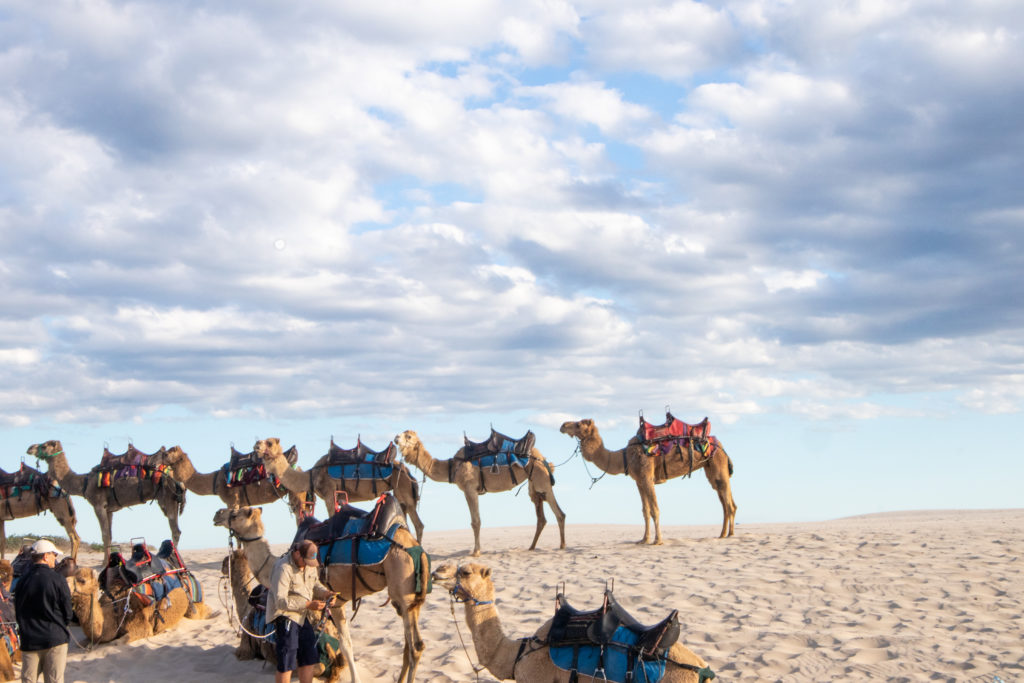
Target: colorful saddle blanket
[(360, 462), (499, 450), (133, 463), (151, 577), (355, 536), (246, 468), (609, 644), (29, 479)]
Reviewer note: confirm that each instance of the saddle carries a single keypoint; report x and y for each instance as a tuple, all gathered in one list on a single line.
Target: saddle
[(13, 484), (354, 536), (247, 468), (151, 577), (132, 457), (361, 454), (673, 429), (499, 443), (573, 627)]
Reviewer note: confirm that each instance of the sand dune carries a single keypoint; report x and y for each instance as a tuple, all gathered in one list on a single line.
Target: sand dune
[(910, 596)]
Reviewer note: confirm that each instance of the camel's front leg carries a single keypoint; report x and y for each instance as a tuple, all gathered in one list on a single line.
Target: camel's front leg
[(473, 501), (106, 519), (345, 640), (650, 509), (170, 505)]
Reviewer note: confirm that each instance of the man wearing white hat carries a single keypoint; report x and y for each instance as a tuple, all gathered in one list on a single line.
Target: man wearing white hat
[(42, 601)]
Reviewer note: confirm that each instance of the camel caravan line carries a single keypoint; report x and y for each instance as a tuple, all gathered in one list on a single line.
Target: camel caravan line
[(363, 552)]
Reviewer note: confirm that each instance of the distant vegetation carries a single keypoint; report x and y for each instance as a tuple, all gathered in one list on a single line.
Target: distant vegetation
[(62, 542)]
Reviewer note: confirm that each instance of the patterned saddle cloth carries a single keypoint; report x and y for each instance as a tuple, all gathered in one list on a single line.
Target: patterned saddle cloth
[(151, 577), (246, 468), (13, 484), (133, 463), (360, 462), (499, 450), (353, 535), (608, 643), (694, 439)]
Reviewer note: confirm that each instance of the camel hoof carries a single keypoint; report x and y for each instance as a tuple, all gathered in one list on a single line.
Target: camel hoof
[(658, 541), (475, 553), (643, 541)]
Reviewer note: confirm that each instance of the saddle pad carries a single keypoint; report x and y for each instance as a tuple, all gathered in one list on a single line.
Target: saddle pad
[(616, 659), (364, 470), (702, 448), (357, 550), (360, 454), (504, 458), (244, 476)]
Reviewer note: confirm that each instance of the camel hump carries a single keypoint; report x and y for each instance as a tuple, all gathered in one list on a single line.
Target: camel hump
[(673, 428)]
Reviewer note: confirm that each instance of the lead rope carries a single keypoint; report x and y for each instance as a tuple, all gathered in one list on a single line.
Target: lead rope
[(476, 667)]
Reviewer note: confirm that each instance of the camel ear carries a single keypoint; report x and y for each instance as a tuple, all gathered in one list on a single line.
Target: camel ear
[(485, 572)]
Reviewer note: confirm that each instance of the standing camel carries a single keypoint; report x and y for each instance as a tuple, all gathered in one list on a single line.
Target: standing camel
[(27, 493), (647, 470), (528, 659), (121, 493), (397, 573), (468, 478), (319, 481), (260, 491)]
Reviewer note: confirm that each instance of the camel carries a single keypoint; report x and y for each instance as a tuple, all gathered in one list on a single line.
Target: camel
[(467, 477), (647, 471), (318, 480), (528, 659), (9, 650), (102, 614), (215, 484), (397, 573), (235, 568), (43, 497), (106, 500)]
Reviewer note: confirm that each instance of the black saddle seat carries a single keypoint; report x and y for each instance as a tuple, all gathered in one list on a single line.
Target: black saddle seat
[(241, 460), (372, 524), (571, 626), (360, 454), (522, 446)]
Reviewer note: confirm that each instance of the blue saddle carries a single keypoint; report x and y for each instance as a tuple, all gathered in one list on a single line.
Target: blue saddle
[(354, 536), (357, 549), (499, 450), (363, 470), (617, 658), (361, 462)]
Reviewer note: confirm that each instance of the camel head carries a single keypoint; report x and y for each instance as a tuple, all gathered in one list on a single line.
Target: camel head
[(409, 444), (584, 429), (175, 455), (269, 448), (45, 451), (244, 522), (84, 581), (467, 582)]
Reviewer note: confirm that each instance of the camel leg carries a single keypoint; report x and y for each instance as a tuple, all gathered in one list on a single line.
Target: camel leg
[(646, 512), (170, 506), (345, 641), (414, 647), (549, 496), (649, 501), (105, 517), (417, 523), (473, 501), (3, 540), (67, 520), (538, 504), (719, 480)]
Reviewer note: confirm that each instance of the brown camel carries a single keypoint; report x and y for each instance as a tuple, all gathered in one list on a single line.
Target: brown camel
[(103, 616), (40, 496), (397, 573), (9, 650), (648, 470), (235, 568), (122, 493), (319, 480), (215, 484), (468, 476), (528, 659)]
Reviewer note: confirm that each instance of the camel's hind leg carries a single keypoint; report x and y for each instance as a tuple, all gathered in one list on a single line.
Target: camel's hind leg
[(345, 641), (414, 646), (3, 540)]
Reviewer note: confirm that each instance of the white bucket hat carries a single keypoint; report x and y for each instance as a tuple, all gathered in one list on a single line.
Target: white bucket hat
[(43, 546)]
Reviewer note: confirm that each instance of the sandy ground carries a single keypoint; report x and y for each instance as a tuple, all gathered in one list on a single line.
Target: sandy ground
[(916, 596)]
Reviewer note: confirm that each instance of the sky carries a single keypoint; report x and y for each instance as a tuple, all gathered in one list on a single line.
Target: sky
[(221, 222)]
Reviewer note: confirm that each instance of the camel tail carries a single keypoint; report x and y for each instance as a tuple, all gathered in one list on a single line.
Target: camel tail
[(551, 471), (730, 465)]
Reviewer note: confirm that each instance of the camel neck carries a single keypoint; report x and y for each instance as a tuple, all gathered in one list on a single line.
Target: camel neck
[(592, 448), (494, 649)]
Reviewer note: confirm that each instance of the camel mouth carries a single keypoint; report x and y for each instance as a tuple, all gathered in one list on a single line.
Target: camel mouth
[(445, 574)]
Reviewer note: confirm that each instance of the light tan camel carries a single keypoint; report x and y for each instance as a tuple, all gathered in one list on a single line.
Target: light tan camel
[(168, 493), (102, 614), (215, 484), (319, 480), (9, 650), (464, 474), (397, 573), (528, 659), (235, 568), (648, 470), (31, 503)]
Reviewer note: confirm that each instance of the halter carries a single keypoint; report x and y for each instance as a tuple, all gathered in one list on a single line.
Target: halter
[(468, 598)]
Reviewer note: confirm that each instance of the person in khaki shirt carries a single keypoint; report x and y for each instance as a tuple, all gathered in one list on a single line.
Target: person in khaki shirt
[(296, 592)]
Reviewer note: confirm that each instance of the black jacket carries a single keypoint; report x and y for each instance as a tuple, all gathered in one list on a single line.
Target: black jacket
[(42, 602)]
